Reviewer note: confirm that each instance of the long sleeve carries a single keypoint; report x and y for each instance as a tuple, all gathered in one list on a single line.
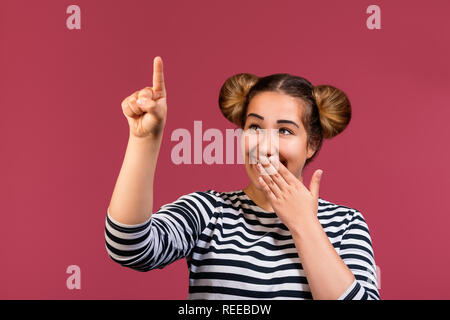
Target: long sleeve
[(357, 253), (168, 235)]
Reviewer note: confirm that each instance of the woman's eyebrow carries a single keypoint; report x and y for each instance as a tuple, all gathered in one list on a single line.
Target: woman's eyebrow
[(278, 121), (288, 121), (255, 115)]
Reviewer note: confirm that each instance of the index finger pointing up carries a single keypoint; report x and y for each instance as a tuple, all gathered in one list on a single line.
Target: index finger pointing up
[(158, 77)]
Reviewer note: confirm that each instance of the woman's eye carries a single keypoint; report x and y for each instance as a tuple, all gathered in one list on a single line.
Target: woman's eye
[(253, 127), (285, 130)]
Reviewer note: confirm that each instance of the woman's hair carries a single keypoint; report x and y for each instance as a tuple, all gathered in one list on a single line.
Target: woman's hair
[(326, 109)]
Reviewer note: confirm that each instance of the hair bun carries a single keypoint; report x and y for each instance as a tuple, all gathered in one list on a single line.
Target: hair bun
[(233, 95), (334, 109)]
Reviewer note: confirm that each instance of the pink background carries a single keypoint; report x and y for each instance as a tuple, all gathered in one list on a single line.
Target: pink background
[(63, 134)]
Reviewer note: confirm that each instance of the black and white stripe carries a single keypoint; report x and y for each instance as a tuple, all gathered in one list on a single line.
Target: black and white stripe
[(236, 250)]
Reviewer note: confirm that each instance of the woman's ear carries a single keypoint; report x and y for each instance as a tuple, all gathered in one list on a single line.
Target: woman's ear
[(310, 152)]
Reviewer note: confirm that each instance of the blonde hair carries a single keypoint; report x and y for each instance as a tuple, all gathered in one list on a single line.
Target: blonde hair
[(326, 112), (334, 109)]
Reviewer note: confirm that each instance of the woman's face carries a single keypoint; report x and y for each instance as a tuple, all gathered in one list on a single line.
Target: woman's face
[(280, 117)]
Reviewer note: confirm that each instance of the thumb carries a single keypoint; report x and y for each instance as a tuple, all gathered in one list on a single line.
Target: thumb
[(315, 183)]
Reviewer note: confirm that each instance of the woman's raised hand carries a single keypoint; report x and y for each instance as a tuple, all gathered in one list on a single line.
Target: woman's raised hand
[(146, 109)]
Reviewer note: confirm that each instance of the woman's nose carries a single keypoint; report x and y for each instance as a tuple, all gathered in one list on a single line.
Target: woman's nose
[(268, 143)]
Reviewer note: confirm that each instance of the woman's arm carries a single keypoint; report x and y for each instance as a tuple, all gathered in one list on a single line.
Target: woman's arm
[(328, 273), (132, 199), (146, 112), (331, 275), (328, 276), (170, 234)]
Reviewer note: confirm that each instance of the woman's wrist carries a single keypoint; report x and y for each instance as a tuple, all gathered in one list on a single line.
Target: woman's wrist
[(153, 137), (306, 227)]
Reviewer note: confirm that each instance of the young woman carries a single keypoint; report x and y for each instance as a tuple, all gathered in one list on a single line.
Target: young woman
[(274, 239)]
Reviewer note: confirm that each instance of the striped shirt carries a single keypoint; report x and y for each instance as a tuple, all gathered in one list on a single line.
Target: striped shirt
[(236, 250)]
